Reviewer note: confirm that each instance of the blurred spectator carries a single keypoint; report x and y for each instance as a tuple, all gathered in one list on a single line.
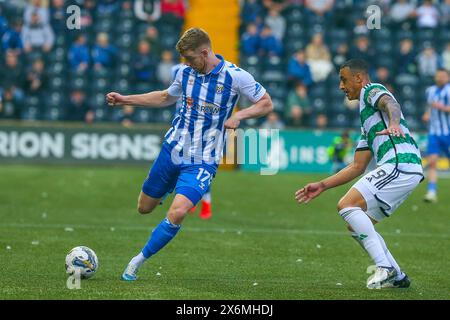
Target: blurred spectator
[(339, 151), (250, 10), (321, 121), (269, 44), (341, 56), (144, 63), (36, 80), (152, 37), (319, 58), (362, 50), (321, 8), (78, 108), (37, 35), (278, 5), (36, 7), (445, 12), (427, 15), (12, 75), (298, 69), (12, 40), (79, 55), (406, 59), (360, 28), (165, 67), (273, 121), (3, 24), (58, 16), (173, 13), (250, 40), (147, 10), (297, 105), (383, 76), (445, 57), (277, 24), (402, 14), (107, 7), (126, 118), (87, 14), (428, 61), (103, 53), (9, 104)]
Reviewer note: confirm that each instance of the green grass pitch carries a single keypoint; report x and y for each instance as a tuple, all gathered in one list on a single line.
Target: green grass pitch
[(260, 244)]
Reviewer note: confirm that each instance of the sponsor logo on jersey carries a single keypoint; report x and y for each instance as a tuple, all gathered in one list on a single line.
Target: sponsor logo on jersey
[(257, 89), (219, 88)]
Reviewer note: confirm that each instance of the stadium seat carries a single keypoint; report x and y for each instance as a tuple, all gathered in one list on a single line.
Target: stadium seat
[(54, 113), (273, 75), (30, 113), (339, 120), (294, 14), (101, 114), (57, 83), (143, 115)]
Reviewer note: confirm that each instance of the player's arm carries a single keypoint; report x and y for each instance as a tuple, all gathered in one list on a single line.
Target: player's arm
[(262, 107), (355, 169), (392, 108), (440, 106), (151, 99)]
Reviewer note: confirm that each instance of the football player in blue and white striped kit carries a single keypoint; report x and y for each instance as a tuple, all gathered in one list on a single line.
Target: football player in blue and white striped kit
[(210, 88), (438, 116), (205, 212)]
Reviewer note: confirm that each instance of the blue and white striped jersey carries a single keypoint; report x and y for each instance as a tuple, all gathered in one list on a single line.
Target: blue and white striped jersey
[(197, 133), (439, 120), (175, 70)]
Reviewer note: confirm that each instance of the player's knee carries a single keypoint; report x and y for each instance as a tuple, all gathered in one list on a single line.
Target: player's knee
[(343, 203), (144, 209), (176, 214)]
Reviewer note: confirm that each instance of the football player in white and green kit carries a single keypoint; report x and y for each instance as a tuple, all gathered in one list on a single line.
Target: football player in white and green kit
[(386, 138)]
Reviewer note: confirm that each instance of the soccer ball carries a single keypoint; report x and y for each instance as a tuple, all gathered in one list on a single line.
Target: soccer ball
[(83, 261)]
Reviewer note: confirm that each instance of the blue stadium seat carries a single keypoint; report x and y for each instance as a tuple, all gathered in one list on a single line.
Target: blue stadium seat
[(101, 114), (54, 113), (339, 120)]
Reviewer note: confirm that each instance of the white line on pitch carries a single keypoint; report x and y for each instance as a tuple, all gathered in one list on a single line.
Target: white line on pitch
[(222, 230)]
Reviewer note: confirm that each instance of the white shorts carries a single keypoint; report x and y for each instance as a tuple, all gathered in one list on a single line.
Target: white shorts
[(385, 189)]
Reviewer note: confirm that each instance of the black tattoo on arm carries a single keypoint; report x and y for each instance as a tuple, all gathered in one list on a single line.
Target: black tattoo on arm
[(388, 104)]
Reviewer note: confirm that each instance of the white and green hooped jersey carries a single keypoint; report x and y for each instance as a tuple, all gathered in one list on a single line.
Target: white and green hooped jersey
[(403, 152)]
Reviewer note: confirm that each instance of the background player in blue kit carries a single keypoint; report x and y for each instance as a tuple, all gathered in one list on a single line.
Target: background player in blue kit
[(210, 88), (438, 115)]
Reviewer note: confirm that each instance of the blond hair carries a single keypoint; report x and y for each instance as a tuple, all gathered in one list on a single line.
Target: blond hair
[(192, 39)]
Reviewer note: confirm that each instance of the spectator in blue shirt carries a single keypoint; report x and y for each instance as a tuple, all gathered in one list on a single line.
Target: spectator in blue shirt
[(145, 63), (269, 44), (250, 40), (79, 54), (103, 53), (11, 40), (3, 24), (298, 69), (251, 9)]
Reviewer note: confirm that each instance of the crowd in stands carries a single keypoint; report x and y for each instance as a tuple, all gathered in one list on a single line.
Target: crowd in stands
[(305, 42), (50, 71)]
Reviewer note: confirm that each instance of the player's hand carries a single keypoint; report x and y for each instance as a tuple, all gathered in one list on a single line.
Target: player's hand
[(114, 98), (426, 117), (392, 130), (309, 192), (232, 123)]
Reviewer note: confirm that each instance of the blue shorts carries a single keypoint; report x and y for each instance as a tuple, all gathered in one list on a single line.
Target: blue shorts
[(438, 144), (190, 180)]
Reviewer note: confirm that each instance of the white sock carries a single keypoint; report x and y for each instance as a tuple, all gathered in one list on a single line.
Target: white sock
[(391, 259), (207, 197), (138, 260), (366, 233)]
